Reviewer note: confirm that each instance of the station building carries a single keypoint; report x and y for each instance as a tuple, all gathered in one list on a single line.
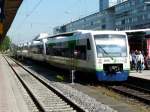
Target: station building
[(104, 4), (112, 15)]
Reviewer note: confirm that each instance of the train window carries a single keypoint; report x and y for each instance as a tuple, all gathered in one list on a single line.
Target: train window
[(65, 51), (34, 49), (40, 49), (49, 49), (88, 45), (59, 49), (81, 52)]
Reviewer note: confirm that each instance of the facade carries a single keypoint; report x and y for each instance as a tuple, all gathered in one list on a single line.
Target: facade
[(132, 14), (97, 21), (120, 1), (104, 4), (129, 14)]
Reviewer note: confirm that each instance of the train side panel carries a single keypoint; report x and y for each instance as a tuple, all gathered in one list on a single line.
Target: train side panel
[(80, 56)]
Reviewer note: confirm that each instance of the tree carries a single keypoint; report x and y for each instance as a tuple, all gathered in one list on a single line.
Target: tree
[(5, 44)]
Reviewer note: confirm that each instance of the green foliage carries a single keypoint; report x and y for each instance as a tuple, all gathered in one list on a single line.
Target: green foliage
[(5, 44)]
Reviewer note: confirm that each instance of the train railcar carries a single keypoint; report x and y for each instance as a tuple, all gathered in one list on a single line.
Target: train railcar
[(106, 53), (36, 51), (25, 50), (19, 50)]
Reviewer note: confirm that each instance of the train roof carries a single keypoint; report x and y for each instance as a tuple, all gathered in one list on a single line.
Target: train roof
[(138, 30), (69, 36), (41, 36), (35, 42), (87, 31)]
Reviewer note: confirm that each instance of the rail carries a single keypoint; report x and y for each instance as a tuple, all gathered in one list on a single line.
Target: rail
[(42, 103)]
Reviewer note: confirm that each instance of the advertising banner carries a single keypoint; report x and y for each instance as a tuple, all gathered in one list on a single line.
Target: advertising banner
[(148, 47)]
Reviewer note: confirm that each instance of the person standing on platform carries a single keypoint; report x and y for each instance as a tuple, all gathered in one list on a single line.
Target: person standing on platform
[(130, 61), (140, 61), (133, 64)]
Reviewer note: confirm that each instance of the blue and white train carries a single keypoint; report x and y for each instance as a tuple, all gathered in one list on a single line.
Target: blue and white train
[(105, 53)]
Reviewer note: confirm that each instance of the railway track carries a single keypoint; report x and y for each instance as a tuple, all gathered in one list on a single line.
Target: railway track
[(132, 91), (45, 97)]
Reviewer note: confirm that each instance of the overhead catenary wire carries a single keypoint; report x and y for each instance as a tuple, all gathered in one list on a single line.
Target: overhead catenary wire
[(29, 14)]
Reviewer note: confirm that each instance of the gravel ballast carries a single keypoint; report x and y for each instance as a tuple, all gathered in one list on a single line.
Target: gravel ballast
[(88, 103)]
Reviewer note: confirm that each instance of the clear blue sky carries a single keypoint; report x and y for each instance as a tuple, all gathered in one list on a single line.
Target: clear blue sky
[(34, 17)]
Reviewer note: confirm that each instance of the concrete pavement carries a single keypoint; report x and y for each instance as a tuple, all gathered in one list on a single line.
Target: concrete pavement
[(144, 75), (11, 99)]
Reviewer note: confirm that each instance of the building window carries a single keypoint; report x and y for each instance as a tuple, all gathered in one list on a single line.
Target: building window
[(103, 26), (103, 20), (143, 17), (92, 23), (123, 21), (148, 16)]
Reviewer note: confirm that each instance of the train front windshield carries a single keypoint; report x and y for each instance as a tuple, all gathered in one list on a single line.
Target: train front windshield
[(111, 45)]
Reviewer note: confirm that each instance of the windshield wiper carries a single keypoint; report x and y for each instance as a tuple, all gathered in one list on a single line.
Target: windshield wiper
[(105, 52)]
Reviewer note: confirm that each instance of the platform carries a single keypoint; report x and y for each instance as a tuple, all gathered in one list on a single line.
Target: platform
[(11, 99), (144, 75)]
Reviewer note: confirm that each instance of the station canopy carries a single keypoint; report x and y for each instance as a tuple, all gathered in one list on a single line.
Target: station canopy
[(8, 12)]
